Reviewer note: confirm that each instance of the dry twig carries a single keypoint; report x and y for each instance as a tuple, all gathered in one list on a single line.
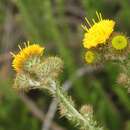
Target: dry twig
[(37, 112)]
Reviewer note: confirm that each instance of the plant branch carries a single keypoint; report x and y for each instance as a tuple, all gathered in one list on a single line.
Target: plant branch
[(66, 86)]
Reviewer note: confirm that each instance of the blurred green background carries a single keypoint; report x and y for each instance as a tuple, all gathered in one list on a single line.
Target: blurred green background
[(56, 24)]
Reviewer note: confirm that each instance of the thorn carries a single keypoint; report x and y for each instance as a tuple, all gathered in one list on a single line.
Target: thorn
[(98, 16), (19, 47), (84, 27), (94, 21), (88, 22), (12, 54), (25, 44), (28, 43)]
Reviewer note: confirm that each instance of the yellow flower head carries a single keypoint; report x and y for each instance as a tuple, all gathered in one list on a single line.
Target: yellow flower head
[(98, 33), (89, 57), (119, 42), (25, 54)]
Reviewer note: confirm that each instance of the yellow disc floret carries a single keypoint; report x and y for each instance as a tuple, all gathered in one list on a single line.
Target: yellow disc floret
[(98, 33), (25, 54), (119, 42), (89, 57)]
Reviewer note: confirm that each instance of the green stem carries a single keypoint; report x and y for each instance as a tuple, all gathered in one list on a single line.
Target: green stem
[(65, 102), (68, 105)]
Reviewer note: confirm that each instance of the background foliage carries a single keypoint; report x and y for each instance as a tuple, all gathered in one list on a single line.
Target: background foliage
[(56, 25)]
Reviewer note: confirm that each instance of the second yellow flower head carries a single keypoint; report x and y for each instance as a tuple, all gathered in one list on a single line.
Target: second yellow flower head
[(98, 33)]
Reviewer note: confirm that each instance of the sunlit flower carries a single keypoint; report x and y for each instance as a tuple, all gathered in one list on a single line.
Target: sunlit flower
[(119, 42), (98, 33), (89, 57), (24, 54)]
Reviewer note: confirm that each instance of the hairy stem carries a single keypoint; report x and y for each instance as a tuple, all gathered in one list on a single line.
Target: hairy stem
[(64, 100), (68, 110)]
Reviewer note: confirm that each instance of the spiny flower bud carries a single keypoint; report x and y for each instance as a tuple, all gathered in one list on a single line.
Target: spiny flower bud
[(90, 57), (51, 67), (119, 42), (86, 109), (122, 79), (24, 82), (87, 113)]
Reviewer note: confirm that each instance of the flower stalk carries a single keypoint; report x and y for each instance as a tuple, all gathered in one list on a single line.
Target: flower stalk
[(67, 109)]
